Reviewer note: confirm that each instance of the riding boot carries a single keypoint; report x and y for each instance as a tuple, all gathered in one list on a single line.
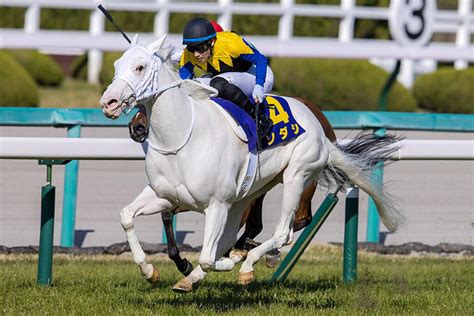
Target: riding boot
[(264, 122), (233, 93)]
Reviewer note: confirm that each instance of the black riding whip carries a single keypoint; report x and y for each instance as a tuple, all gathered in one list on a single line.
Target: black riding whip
[(111, 19)]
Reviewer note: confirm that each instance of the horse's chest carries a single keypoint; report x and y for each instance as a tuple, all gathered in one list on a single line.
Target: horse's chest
[(168, 179)]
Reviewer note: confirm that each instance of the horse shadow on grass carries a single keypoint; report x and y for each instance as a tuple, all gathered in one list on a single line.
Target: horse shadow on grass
[(221, 296)]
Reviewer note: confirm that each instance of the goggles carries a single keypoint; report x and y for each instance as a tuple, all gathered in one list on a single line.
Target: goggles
[(200, 48)]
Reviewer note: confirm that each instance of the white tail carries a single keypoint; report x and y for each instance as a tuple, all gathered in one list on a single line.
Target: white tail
[(353, 163)]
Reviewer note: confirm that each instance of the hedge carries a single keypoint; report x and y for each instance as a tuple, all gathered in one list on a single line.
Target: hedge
[(338, 84), (17, 87), (107, 72), (446, 91), (78, 68), (44, 70)]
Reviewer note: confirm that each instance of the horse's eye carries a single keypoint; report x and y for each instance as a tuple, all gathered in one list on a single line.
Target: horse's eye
[(140, 68)]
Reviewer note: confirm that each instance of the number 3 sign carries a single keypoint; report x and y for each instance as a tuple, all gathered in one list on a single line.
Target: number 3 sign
[(411, 21)]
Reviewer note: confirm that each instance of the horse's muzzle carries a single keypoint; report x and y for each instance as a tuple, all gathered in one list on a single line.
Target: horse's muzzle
[(110, 107)]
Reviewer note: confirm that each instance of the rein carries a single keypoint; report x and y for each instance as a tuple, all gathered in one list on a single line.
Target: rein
[(186, 140)]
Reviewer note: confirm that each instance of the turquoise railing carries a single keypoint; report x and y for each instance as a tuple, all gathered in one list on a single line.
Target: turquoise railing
[(339, 119)]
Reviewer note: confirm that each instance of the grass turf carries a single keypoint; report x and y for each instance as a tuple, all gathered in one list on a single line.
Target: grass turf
[(113, 285)]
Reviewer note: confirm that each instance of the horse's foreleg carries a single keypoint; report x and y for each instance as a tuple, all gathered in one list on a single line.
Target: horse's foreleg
[(252, 219), (146, 203), (185, 285), (183, 265), (292, 190), (216, 218), (220, 234), (253, 223)]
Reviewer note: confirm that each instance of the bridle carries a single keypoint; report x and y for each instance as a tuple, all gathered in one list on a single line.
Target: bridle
[(146, 88)]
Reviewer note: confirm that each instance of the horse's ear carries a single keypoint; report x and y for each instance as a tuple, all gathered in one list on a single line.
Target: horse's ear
[(156, 45), (134, 40)]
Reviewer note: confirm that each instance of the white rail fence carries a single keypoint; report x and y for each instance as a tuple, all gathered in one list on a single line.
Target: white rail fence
[(382, 52), (126, 149)]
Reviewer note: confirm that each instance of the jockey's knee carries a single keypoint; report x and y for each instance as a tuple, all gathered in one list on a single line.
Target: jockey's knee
[(219, 84), (126, 218), (232, 93)]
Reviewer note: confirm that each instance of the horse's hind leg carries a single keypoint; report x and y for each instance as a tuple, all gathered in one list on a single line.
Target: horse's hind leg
[(304, 214), (146, 203), (183, 265), (308, 160)]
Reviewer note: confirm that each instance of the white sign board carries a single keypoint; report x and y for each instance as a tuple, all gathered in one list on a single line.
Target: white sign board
[(411, 21)]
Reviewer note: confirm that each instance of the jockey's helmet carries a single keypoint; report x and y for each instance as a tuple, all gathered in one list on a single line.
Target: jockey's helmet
[(198, 31)]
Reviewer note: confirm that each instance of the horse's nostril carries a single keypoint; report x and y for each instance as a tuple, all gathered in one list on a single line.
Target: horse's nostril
[(111, 101)]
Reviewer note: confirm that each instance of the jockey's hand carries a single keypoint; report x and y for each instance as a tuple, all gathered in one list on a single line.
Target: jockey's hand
[(257, 93)]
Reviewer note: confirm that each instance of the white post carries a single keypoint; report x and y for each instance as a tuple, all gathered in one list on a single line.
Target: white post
[(285, 26), (225, 18), (463, 32), (162, 19), (407, 73), (346, 25), (32, 18), (95, 56)]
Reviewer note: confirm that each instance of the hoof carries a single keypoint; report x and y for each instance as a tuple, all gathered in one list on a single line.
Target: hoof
[(155, 277), (246, 278), (238, 255), (183, 286), (272, 261)]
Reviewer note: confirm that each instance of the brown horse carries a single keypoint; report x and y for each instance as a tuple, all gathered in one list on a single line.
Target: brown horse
[(252, 217)]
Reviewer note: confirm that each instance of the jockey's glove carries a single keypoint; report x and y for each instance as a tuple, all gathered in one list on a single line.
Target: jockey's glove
[(257, 93)]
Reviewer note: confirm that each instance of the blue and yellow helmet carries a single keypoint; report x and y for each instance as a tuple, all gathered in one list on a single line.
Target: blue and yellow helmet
[(198, 31)]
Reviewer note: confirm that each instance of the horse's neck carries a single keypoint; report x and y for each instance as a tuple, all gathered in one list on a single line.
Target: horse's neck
[(171, 116)]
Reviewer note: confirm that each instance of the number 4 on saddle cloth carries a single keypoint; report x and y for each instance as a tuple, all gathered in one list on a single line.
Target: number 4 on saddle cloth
[(285, 127)]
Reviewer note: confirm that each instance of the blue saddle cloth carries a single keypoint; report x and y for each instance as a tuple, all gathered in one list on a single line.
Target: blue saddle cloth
[(285, 127), (243, 119)]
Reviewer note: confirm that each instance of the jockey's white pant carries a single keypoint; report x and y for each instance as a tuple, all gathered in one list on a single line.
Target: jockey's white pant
[(244, 80)]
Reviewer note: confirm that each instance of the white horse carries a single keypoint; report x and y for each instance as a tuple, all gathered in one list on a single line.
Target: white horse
[(196, 161)]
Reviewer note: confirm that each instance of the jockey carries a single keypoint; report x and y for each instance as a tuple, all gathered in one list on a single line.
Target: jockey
[(239, 70)]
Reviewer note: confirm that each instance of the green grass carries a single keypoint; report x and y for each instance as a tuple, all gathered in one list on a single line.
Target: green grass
[(71, 94), (113, 285)]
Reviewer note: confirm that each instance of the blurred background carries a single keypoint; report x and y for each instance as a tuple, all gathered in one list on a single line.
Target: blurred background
[(64, 65)]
